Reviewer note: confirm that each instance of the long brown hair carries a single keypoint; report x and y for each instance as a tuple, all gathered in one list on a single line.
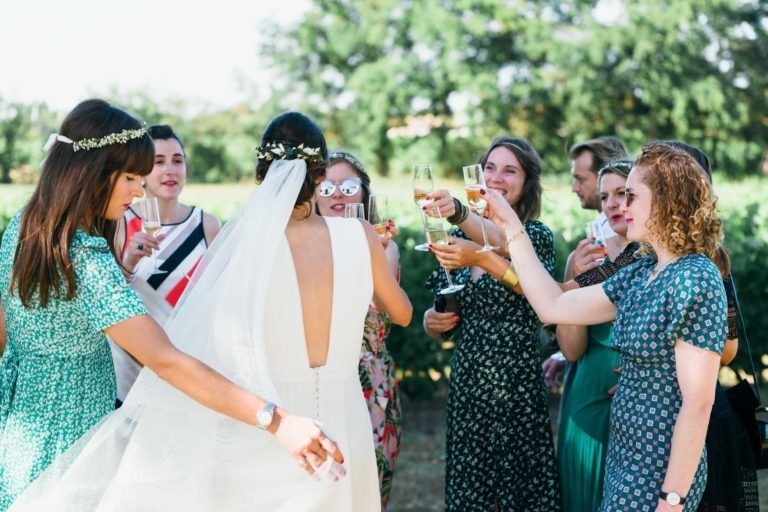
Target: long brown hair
[(529, 205), (73, 192)]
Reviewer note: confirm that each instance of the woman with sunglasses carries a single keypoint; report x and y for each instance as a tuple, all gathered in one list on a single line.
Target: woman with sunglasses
[(670, 327), (346, 181)]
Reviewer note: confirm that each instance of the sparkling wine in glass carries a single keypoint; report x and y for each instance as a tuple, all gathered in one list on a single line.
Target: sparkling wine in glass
[(354, 211), (378, 213), (150, 224), (474, 181), (596, 241), (436, 234), (423, 185)]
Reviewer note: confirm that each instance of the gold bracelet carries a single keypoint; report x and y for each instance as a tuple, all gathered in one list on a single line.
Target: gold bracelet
[(513, 237), (509, 279)]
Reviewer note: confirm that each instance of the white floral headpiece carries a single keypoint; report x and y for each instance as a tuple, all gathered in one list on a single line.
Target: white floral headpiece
[(283, 151), (94, 143)]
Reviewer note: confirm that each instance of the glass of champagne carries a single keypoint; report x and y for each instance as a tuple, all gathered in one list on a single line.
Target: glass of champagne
[(596, 241), (436, 235), (150, 223), (423, 184), (474, 181), (354, 211), (378, 213)]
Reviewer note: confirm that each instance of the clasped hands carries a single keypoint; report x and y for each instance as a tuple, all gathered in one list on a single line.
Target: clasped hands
[(306, 441)]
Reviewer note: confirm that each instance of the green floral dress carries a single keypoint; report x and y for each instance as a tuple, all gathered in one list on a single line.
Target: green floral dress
[(382, 395), (56, 375)]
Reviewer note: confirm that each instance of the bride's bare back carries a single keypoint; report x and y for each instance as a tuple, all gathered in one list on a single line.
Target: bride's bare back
[(310, 245)]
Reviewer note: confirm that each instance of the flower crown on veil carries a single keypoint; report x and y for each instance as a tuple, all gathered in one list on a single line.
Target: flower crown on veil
[(97, 142), (285, 151)]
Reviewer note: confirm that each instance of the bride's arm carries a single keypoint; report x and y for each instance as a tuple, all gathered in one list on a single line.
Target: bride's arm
[(386, 289), (144, 339)]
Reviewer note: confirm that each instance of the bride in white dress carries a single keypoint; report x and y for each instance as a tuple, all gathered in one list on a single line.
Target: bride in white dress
[(278, 308)]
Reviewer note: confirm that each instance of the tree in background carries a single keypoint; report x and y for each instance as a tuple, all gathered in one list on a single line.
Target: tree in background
[(15, 121), (429, 80)]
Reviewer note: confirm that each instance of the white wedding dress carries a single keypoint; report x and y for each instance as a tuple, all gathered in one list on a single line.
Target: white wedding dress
[(163, 452)]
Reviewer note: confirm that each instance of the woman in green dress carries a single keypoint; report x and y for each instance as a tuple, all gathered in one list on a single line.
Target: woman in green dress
[(585, 419), (62, 290), (671, 324)]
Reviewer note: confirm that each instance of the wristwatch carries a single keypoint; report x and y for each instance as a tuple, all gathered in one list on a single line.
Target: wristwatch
[(265, 415), (672, 498)]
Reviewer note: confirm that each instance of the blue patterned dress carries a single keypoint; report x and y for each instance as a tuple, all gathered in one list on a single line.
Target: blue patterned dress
[(56, 375), (685, 302), (499, 448)]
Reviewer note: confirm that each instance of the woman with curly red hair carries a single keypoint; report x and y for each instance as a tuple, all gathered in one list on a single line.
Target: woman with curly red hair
[(670, 327)]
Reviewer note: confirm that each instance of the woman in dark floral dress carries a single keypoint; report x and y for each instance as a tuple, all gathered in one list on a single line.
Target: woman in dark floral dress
[(500, 453), (670, 327)]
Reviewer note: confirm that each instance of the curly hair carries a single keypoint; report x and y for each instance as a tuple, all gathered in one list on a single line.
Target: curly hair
[(683, 210), (529, 205)]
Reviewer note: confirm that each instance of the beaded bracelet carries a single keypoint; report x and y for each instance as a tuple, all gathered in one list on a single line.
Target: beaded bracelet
[(461, 213)]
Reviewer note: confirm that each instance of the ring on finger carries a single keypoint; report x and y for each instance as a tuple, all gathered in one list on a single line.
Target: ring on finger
[(303, 464), (140, 246)]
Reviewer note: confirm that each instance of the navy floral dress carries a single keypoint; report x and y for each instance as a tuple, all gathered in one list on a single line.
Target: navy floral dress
[(685, 302), (499, 438)]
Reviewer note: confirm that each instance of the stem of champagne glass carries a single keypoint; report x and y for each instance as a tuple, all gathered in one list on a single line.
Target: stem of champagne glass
[(482, 226)]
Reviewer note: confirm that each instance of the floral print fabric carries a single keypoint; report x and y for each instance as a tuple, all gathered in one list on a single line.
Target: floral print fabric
[(382, 395), (56, 375), (499, 444)]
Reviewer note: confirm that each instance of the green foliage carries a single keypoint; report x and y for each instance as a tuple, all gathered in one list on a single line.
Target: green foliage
[(418, 356), (382, 76)]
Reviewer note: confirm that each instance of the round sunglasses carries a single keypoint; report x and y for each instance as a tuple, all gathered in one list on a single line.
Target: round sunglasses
[(348, 187)]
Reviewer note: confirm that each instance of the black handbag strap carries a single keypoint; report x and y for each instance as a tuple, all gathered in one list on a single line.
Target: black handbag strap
[(742, 332)]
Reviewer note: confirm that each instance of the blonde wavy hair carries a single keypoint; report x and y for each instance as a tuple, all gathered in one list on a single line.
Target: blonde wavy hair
[(683, 210)]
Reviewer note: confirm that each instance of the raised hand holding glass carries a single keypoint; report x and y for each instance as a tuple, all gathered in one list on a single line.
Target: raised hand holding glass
[(474, 180)]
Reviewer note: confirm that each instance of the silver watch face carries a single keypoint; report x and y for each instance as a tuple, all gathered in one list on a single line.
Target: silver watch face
[(264, 418), (673, 498)]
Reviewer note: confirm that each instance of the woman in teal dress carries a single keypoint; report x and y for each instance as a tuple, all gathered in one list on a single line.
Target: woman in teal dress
[(62, 290), (670, 327), (584, 420)]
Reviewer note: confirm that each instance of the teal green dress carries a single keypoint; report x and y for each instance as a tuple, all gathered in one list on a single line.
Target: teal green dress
[(56, 375), (585, 422), (685, 302)]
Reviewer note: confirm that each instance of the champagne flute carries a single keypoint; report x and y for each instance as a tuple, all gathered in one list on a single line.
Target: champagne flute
[(378, 213), (423, 184), (150, 224), (474, 181), (354, 211), (596, 241), (436, 234)]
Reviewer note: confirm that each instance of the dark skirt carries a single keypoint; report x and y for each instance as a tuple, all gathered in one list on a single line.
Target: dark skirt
[(731, 476)]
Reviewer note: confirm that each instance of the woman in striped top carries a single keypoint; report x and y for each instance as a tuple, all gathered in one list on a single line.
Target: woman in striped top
[(181, 242)]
